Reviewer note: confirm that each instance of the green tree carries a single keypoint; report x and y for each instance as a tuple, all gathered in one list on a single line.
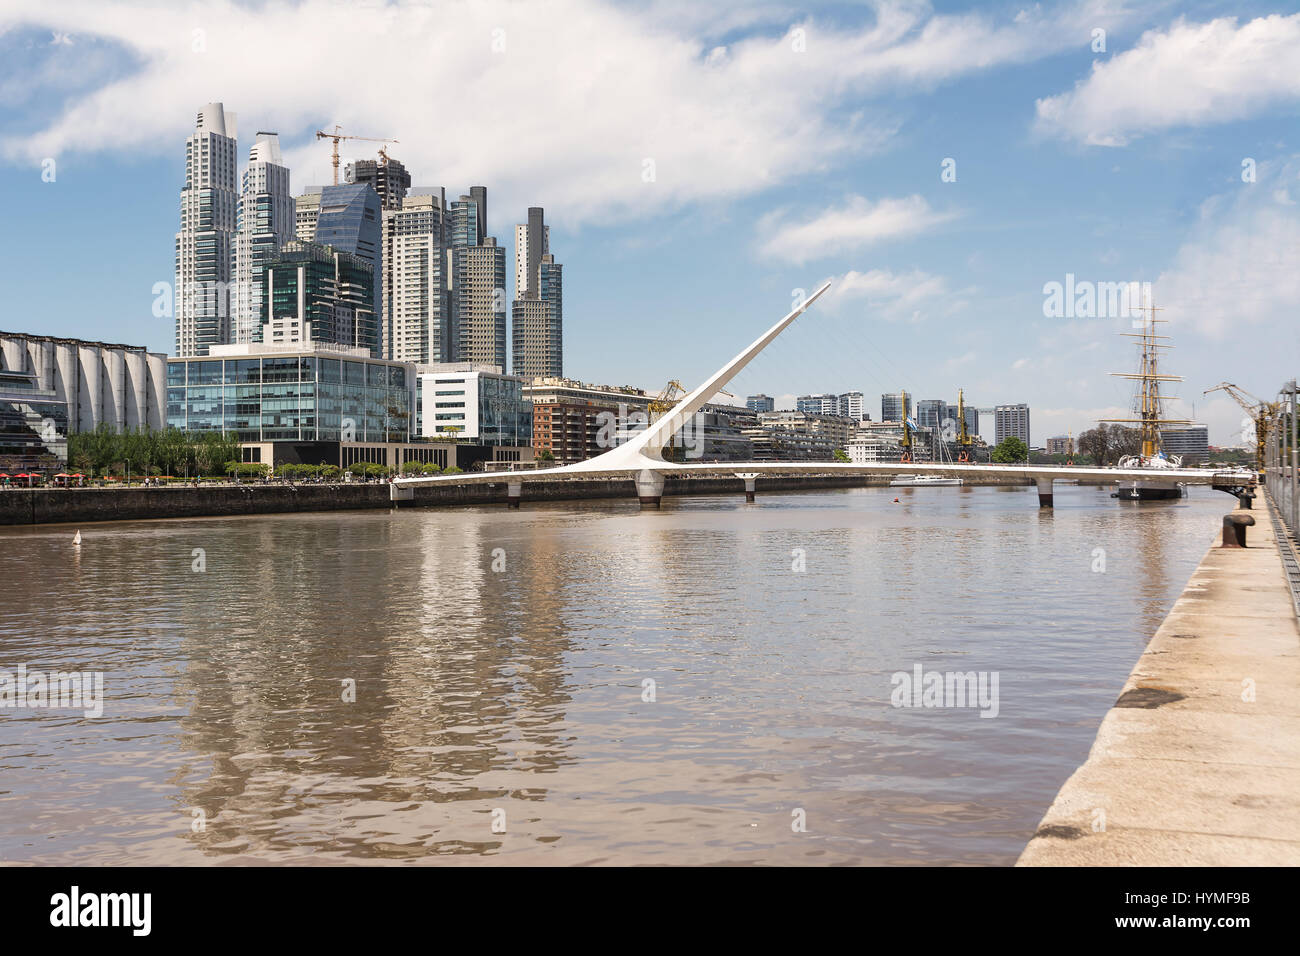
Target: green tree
[(840, 455), (1010, 450)]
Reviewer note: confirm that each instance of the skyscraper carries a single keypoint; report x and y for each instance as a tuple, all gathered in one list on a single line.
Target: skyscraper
[(892, 406), (532, 241), (1011, 420), (930, 413), (537, 336), (418, 324), (266, 222), (205, 242), (760, 403), (350, 221), (387, 177), (317, 293), (478, 279), (469, 218)]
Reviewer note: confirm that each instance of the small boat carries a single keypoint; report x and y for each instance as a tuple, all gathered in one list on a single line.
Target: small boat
[(923, 481)]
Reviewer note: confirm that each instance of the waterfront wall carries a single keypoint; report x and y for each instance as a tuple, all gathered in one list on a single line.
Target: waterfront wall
[(77, 505), (1198, 762)]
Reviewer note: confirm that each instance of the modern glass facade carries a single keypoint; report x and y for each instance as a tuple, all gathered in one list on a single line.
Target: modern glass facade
[(286, 397), (33, 426), (319, 294)]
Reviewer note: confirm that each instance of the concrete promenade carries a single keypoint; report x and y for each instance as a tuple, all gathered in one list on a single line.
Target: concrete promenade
[(1198, 762)]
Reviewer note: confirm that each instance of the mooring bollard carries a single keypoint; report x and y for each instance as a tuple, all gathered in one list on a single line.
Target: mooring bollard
[(1234, 529)]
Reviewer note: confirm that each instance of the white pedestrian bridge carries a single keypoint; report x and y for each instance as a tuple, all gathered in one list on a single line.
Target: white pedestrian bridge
[(642, 457)]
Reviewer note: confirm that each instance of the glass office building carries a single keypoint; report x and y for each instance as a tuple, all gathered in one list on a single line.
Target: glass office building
[(306, 397), (33, 426)]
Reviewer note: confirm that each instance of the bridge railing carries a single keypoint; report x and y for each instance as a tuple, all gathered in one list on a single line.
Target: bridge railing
[(1282, 457)]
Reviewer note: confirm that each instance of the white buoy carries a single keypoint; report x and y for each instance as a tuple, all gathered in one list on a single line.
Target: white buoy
[(76, 539)]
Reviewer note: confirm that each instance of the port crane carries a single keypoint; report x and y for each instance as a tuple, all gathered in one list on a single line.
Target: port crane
[(337, 136), (1260, 412)]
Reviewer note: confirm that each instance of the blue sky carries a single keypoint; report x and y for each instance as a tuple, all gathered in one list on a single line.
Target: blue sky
[(789, 145)]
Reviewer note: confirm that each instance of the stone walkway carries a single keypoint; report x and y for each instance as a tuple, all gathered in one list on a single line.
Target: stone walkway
[(1198, 762)]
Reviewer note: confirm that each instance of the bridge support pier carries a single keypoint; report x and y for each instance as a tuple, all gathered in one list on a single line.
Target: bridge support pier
[(649, 488), (514, 493), (1044, 492), (400, 492), (749, 478)]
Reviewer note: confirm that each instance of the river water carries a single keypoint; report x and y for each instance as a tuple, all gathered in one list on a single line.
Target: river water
[(578, 682)]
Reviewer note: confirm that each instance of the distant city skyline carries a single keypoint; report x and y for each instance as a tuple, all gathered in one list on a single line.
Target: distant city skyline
[(965, 187)]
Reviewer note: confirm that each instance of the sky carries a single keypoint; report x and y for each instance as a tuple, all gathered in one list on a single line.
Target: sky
[(704, 164)]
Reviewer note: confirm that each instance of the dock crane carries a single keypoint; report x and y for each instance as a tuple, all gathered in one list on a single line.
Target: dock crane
[(1260, 412), (337, 136), (964, 442)]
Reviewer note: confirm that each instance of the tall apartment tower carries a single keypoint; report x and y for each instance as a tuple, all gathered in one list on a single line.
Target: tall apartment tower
[(266, 222), (205, 242), (418, 324), (391, 183), (387, 177), (469, 218), (1011, 420), (532, 241), (478, 281), (537, 335)]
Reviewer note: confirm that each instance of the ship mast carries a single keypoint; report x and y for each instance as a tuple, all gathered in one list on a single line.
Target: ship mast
[(1149, 402)]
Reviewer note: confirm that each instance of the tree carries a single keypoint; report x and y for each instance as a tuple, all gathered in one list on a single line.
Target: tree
[(840, 455), (1010, 451)]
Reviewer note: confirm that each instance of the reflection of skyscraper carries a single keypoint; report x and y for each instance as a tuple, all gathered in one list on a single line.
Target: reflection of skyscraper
[(266, 222), (205, 242)]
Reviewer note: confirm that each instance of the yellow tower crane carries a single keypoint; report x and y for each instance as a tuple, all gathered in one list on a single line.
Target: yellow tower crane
[(1260, 412), (337, 136)]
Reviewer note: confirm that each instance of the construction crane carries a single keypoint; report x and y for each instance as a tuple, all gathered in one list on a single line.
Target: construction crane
[(663, 403), (337, 136), (1260, 412)]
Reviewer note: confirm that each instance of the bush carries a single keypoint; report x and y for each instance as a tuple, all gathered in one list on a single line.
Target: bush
[(453, 470)]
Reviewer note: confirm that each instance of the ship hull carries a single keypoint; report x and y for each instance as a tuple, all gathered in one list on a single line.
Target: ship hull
[(1150, 491)]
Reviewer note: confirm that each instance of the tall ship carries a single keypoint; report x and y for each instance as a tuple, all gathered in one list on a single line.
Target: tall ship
[(1148, 405)]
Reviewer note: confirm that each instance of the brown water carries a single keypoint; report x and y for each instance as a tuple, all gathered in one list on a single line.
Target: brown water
[(515, 697)]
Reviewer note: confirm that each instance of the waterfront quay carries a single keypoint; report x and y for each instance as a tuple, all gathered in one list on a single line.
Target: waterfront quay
[(1198, 762)]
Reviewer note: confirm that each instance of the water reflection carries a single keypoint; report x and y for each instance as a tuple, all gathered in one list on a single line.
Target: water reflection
[(500, 661)]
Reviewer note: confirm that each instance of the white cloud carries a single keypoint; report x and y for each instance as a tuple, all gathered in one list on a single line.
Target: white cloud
[(855, 223), (1192, 74), (893, 295), (1237, 269), (564, 114)]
